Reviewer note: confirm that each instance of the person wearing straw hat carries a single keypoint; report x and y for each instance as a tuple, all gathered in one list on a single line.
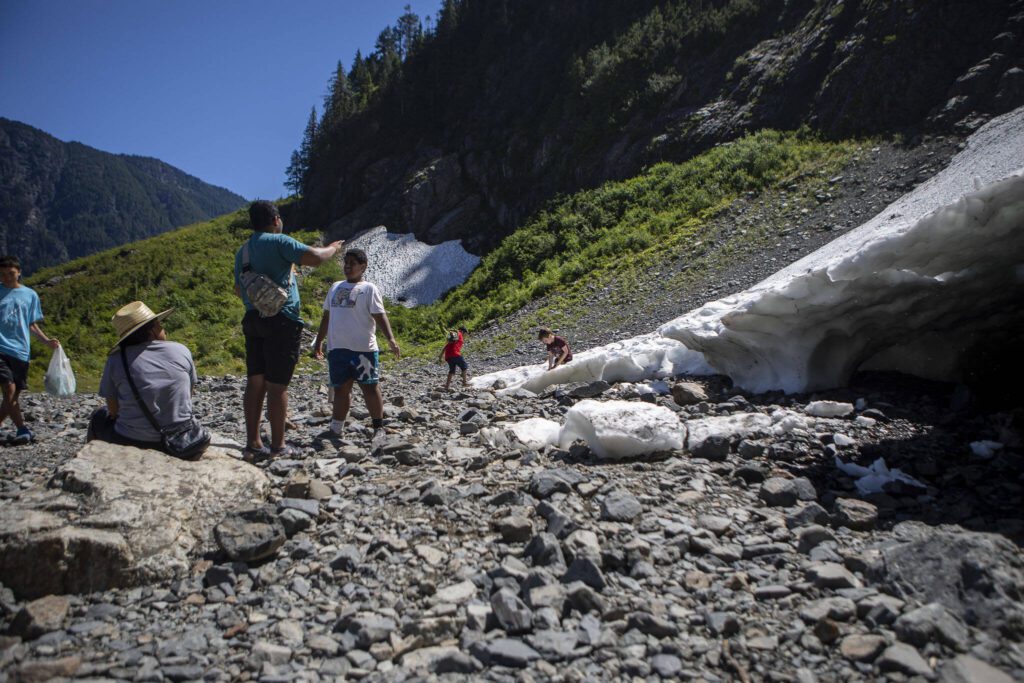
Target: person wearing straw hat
[(164, 375)]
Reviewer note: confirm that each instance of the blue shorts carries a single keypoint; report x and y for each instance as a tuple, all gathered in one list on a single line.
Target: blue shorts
[(361, 366)]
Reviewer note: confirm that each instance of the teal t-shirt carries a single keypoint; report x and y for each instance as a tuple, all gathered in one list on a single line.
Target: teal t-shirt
[(19, 308), (273, 254)]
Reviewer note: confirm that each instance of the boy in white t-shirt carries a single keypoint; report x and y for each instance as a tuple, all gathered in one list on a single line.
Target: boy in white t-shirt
[(352, 310)]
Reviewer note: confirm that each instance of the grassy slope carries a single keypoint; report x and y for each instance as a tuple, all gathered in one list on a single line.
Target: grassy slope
[(189, 269), (579, 243)]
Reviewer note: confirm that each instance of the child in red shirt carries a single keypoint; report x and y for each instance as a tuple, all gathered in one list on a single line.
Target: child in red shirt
[(452, 354)]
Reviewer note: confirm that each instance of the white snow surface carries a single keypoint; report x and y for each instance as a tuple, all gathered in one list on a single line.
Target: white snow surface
[(622, 429), (537, 432), (873, 479), (411, 271), (911, 290)]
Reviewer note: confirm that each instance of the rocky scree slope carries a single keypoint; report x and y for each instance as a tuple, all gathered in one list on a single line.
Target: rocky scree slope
[(452, 548), (61, 200), (510, 131)]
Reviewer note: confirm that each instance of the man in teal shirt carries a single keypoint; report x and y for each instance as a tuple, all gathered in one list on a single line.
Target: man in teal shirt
[(20, 314), (272, 343)]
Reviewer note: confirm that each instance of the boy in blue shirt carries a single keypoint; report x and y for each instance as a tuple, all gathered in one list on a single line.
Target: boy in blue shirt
[(20, 314)]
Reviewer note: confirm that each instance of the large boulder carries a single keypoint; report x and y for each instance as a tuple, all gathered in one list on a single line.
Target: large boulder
[(979, 577), (119, 516)]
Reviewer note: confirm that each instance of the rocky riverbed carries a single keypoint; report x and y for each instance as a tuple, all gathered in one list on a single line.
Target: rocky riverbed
[(453, 549)]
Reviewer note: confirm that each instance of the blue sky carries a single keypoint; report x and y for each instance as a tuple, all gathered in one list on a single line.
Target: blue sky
[(219, 88)]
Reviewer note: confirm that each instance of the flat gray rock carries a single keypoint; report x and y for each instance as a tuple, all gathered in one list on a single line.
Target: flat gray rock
[(139, 516)]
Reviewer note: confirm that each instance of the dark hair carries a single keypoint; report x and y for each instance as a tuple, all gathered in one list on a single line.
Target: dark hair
[(358, 254), (139, 336), (463, 330), (263, 215), (544, 332), (10, 262)]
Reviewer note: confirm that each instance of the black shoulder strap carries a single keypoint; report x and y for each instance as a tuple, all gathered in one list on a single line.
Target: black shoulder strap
[(135, 392), (246, 264)]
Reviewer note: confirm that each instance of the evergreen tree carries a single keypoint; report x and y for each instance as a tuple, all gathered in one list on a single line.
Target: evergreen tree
[(410, 33), (338, 103), (447, 18), (361, 80), (298, 169)]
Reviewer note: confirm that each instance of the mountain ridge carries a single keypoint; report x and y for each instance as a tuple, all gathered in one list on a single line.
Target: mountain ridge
[(451, 149), (62, 200)]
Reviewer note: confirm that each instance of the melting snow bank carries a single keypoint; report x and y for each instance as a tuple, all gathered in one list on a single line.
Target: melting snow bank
[(411, 271), (630, 360), (914, 289)]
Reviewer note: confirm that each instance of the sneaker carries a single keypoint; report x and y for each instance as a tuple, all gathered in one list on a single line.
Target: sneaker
[(23, 436)]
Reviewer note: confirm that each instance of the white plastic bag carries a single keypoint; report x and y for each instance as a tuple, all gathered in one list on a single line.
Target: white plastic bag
[(59, 380)]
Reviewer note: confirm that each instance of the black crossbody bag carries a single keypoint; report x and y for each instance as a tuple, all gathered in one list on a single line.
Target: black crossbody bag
[(188, 442)]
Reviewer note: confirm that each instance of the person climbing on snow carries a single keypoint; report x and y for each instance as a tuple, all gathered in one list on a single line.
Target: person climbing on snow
[(559, 352), (452, 354)]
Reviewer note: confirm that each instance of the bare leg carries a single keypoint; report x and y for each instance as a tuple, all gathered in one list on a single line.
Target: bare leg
[(252, 406), (277, 412), (448, 384), (465, 380), (11, 407), (374, 400), (342, 401)]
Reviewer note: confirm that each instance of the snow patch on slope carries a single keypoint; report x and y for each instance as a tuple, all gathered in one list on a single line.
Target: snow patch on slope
[(411, 271)]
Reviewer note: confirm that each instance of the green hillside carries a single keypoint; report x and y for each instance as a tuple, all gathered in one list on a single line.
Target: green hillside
[(576, 243), (189, 269)]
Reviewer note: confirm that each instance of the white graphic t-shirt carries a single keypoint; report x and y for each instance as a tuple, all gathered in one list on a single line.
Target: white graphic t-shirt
[(351, 306)]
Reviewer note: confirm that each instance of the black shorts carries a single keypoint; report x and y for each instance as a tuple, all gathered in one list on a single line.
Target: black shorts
[(101, 428), (457, 362), (13, 371), (271, 346)]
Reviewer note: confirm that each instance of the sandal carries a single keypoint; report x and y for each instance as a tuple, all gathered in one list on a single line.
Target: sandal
[(255, 455), (286, 452)]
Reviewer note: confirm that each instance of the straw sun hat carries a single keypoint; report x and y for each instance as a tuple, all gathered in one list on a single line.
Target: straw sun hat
[(131, 317)]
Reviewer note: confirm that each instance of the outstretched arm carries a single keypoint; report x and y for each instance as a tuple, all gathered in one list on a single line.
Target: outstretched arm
[(314, 256)]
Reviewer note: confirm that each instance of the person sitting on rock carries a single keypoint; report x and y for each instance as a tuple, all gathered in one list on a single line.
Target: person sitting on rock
[(452, 354), (559, 352), (352, 310), (163, 373)]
